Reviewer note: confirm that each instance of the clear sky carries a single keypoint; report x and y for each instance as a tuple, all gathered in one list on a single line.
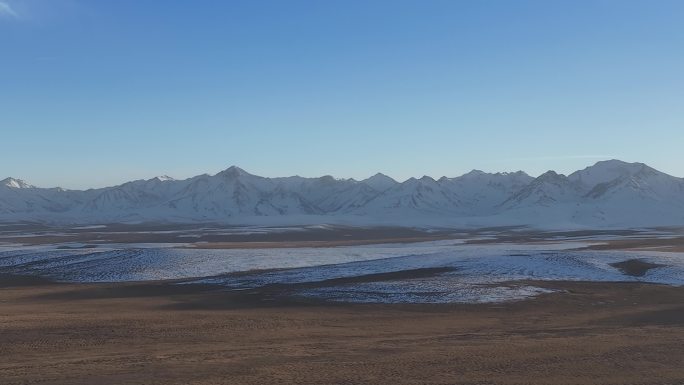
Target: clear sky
[(97, 92)]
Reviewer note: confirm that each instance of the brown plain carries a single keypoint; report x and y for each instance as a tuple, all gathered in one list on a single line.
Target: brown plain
[(157, 333)]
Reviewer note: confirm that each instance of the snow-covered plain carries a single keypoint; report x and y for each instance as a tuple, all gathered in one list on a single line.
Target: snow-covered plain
[(467, 273)]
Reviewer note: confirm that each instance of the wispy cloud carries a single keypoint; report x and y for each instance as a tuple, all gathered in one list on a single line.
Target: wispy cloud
[(6, 10)]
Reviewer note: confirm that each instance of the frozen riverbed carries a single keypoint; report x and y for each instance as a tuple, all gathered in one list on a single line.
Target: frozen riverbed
[(440, 271)]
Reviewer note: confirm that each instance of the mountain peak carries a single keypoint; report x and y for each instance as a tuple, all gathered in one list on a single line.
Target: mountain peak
[(616, 164), (379, 182), (474, 172), (233, 172), (518, 173), (550, 175), (15, 183), (607, 171), (553, 178), (613, 162), (378, 175), (163, 178), (626, 192)]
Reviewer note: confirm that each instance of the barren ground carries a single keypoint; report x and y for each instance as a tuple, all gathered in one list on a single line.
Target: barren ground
[(156, 333), (162, 333)]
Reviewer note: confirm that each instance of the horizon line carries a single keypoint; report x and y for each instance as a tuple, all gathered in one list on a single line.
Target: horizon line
[(164, 176)]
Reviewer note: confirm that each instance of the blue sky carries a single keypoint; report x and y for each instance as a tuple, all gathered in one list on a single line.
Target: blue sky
[(98, 92)]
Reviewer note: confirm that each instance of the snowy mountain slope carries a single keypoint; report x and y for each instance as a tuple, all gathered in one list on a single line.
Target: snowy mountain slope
[(348, 199), (315, 190), (644, 182), (482, 192), (20, 198), (380, 182), (609, 193), (546, 190), (414, 195), (134, 195), (234, 192), (15, 183), (639, 193), (605, 171)]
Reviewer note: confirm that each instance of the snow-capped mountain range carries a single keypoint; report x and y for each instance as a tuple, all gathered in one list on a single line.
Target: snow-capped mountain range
[(608, 194)]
